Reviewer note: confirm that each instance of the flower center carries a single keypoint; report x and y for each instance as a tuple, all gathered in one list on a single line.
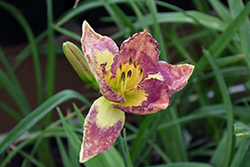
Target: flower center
[(127, 78)]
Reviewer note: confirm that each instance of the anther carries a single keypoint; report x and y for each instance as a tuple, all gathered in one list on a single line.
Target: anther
[(130, 61), (135, 64), (141, 70), (120, 66), (123, 76), (129, 73)]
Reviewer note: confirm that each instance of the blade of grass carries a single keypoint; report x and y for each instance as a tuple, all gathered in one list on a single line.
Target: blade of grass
[(74, 141), (48, 132), (63, 152), (10, 111), (236, 7), (116, 18), (221, 9), (66, 32), (155, 146), (157, 31), (139, 14), (31, 159), (126, 147), (173, 139), (228, 108), (241, 158), (15, 93), (229, 60), (124, 18), (24, 24), (73, 155), (79, 114), (222, 41), (201, 5), (15, 151), (23, 55), (191, 17), (142, 159), (179, 47), (34, 149), (183, 12), (184, 164), (79, 10), (31, 119), (211, 110), (50, 79), (122, 149), (10, 72), (147, 128), (50, 71), (17, 86)]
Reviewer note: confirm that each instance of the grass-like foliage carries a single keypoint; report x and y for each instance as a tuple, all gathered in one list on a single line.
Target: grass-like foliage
[(207, 123)]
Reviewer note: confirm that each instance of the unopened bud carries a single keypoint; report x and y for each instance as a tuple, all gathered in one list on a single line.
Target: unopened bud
[(80, 64)]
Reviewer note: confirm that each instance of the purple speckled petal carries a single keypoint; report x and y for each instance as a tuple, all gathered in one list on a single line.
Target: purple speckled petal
[(141, 47), (97, 48), (105, 89), (159, 98), (101, 128), (176, 76)]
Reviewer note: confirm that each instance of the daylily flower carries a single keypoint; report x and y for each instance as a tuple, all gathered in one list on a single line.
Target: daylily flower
[(131, 80)]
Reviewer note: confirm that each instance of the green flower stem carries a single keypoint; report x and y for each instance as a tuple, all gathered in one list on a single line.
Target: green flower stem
[(123, 151)]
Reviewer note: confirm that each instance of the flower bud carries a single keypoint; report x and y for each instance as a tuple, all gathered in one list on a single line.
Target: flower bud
[(80, 64)]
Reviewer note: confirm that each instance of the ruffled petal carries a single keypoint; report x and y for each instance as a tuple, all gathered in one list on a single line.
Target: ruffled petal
[(101, 128), (158, 98), (141, 47), (98, 49), (176, 76), (105, 89)]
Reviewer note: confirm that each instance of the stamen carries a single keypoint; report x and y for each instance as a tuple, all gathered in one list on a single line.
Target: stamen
[(130, 61), (123, 76), (129, 73), (141, 70), (120, 66), (135, 64)]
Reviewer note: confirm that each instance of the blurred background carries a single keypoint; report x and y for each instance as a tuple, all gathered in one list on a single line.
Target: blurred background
[(197, 129)]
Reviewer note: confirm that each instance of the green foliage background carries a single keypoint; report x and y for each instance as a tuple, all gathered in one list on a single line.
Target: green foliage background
[(196, 130)]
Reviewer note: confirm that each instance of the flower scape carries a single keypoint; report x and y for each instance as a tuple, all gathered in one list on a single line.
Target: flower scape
[(131, 80)]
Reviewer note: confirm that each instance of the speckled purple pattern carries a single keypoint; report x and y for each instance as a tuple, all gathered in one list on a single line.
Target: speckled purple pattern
[(93, 42), (159, 98), (98, 139), (176, 76), (105, 89), (142, 47)]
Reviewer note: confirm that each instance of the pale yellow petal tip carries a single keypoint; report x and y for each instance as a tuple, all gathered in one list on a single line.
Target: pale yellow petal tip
[(83, 160), (85, 25), (192, 66), (189, 65)]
